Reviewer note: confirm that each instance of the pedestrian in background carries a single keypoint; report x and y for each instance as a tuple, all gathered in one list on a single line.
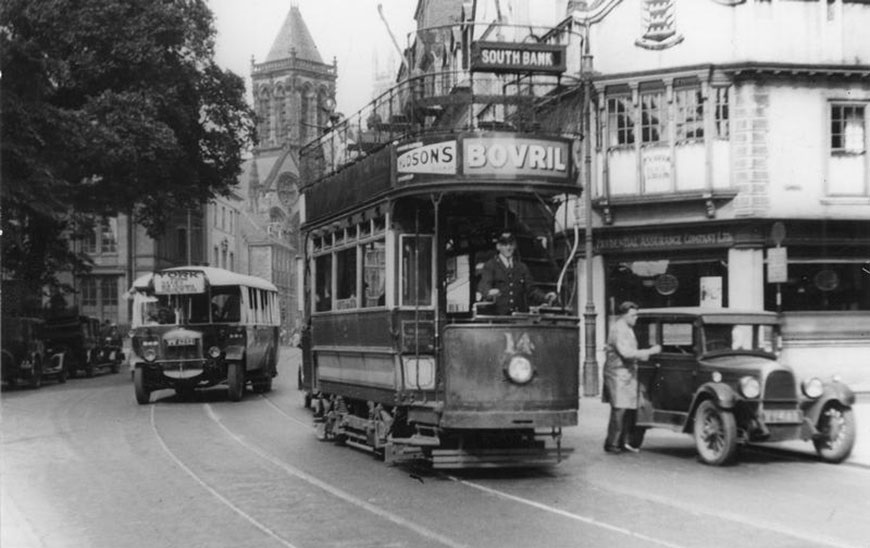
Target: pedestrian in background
[(508, 282), (620, 381)]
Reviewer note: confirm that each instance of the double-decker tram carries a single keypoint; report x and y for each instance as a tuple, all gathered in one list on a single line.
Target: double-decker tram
[(403, 354), (197, 327)]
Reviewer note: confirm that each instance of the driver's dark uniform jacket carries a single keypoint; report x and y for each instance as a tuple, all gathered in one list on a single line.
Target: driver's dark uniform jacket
[(515, 284)]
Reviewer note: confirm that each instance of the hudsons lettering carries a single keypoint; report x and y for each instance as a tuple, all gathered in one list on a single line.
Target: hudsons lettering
[(432, 158)]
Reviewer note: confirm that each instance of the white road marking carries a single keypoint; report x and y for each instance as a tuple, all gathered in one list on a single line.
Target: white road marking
[(286, 414), (335, 491), (214, 493), (563, 513)]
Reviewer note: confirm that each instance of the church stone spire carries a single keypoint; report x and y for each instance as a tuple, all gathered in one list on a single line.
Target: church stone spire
[(294, 35)]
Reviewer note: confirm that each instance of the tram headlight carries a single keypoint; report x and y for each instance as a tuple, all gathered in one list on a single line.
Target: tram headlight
[(750, 387), (149, 355), (519, 370), (812, 387), (214, 352)]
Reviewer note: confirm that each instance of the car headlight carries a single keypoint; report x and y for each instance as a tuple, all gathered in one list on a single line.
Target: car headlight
[(750, 387), (813, 387), (149, 355), (519, 370), (214, 352)]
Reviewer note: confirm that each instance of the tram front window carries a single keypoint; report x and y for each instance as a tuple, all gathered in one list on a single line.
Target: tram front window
[(416, 270)]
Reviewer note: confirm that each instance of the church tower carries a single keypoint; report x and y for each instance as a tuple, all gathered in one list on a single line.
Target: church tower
[(293, 89)]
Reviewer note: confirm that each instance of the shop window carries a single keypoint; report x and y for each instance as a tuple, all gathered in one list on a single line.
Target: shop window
[(109, 290), (848, 129), (620, 121), (88, 291), (689, 114), (374, 273), (416, 270), (814, 286), (346, 279), (323, 283), (653, 117), (668, 282)]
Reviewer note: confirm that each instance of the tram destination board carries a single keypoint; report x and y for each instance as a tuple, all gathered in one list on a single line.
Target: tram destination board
[(511, 57)]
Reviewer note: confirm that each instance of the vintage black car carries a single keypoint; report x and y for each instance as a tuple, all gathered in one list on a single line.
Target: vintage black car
[(23, 352), (85, 346), (718, 379)]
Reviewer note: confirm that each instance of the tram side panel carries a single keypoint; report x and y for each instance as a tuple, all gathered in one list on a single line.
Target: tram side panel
[(353, 355)]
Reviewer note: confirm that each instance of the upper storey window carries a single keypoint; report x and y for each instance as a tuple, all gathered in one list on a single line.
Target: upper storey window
[(848, 129), (620, 121), (653, 117), (721, 113), (689, 114)]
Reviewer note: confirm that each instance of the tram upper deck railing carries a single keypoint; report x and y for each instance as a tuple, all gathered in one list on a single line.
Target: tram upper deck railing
[(460, 78)]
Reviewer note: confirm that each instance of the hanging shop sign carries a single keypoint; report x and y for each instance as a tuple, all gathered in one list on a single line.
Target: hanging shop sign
[(512, 57), (777, 265)]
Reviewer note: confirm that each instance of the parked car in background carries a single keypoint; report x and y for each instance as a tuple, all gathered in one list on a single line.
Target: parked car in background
[(719, 379), (80, 342), (23, 352)]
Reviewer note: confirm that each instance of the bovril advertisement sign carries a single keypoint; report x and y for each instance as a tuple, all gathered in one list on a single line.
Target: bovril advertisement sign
[(484, 156)]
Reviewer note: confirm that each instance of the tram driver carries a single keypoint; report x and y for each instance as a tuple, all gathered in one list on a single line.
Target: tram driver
[(507, 281)]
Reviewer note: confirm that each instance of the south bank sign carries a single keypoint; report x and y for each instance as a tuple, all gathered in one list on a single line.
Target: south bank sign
[(510, 57)]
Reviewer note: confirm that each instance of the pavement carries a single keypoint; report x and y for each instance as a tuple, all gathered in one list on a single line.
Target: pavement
[(594, 414)]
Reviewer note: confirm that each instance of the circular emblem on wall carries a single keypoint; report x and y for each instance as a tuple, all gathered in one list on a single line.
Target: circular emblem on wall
[(826, 280), (667, 284)]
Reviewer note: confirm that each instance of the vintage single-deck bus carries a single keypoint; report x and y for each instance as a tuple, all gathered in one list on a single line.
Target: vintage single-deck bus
[(195, 327)]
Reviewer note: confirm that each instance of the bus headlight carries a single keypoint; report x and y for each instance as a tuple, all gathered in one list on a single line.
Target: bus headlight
[(149, 355), (812, 388), (214, 352), (750, 387), (519, 370)]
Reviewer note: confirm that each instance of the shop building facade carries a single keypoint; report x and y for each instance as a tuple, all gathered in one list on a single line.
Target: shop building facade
[(730, 166)]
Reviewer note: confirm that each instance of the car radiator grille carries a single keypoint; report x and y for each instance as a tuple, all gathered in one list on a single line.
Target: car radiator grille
[(780, 385)]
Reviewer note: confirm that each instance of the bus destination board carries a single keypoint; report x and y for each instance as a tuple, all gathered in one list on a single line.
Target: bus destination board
[(179, 282)]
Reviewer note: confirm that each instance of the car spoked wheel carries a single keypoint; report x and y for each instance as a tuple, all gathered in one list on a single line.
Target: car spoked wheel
[(836, 437), (715, 434)]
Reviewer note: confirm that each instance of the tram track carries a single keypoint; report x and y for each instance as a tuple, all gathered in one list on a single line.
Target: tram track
[(290, 471), (331, 489)]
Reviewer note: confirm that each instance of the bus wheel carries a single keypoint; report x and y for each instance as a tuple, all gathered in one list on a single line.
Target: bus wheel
[(235, 381), (143, 394)]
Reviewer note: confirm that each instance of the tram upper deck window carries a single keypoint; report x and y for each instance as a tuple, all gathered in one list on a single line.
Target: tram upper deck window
[(345, 283), (416, 270), (374, 273), (323, 283)]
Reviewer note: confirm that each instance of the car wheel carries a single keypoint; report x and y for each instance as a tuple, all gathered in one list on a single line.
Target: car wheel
[(143, 394), (715, 434), (61, 376), (235, 381), (836, 428)]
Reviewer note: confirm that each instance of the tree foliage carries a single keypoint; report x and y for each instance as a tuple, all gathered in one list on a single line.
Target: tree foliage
[(108, 107)]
